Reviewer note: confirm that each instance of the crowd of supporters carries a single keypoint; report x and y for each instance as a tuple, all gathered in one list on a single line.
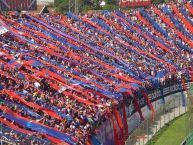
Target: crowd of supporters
[(65, 73)]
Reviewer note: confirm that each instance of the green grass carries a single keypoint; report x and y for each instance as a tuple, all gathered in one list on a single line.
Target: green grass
[(190, 140), (172, 134)]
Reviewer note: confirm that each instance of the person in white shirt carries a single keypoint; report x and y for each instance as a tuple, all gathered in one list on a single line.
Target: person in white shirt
[(37, 85)]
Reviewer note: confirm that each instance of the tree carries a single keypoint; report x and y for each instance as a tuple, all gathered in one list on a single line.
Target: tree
[(61, 5)]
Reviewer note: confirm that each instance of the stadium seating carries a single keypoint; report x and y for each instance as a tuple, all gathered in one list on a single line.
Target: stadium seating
[(62, 76)]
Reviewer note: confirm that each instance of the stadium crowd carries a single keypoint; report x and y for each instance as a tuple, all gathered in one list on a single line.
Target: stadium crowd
[(62, 75)]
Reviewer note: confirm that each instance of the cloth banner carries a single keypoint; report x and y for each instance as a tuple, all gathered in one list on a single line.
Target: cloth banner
[(116, 137), (37, 127), (120, 124), (149, 104), (125, 121)]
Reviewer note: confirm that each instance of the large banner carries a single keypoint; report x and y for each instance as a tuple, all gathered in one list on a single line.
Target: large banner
[(134, 3), (12, 5)]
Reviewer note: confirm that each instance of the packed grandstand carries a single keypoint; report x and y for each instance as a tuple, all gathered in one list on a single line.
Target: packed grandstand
[(62, 76)]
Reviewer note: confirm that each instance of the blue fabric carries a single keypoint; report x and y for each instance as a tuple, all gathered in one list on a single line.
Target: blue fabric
[(160, 74), (28, 111), (1, 87), (95, 140), (150, 35), (185, 14), (155, 25), (41, 129), (184, 47), (177, 23), (11, 61), (8, 129), (122, 90)]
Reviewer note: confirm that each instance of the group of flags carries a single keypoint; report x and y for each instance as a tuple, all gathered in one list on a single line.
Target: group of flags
[(46, 43)]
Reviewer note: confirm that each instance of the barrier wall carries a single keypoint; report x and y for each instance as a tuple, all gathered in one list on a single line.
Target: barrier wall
[(173, 99)]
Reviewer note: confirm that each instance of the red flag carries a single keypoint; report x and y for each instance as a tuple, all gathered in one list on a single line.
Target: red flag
[(120, 124), (150, 105), (137, 108), (116, 138), (125, 120)]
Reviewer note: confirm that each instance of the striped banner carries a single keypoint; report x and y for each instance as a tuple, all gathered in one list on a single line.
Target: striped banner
[(10, 5)]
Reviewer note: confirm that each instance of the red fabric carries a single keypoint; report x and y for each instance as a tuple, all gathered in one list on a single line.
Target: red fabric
[(184, 38), (33, 105), (67, 25), (184, 85), (98, 93), (126, 44), (9, 111), (8, 76), (143, 52), (73, 55), (186, 23), (86, 81), (51, 52), (145, 35), (126, 78), (79, 99), (166, 20), (88, 142), (93, 24), (118, 118), (125, 121), (29, 62), (51, 113), (105, 64), (163, 47), (137, 107), (116, 138), (78, 89), (75, 88), (192, 78), (142, 19), (134, 3), (120, 124), (52, 139), (15, 127), (149, 104), (99, 76), (147, 23), (190, 8), (150, 55)]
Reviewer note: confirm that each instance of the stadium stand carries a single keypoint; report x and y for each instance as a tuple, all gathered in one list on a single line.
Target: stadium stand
[(62, 76)]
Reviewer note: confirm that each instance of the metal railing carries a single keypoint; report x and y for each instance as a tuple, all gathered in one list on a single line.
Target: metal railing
[(165, 113)]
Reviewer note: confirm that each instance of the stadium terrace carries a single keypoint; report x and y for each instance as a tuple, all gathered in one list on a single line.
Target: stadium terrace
[(62, 76)]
